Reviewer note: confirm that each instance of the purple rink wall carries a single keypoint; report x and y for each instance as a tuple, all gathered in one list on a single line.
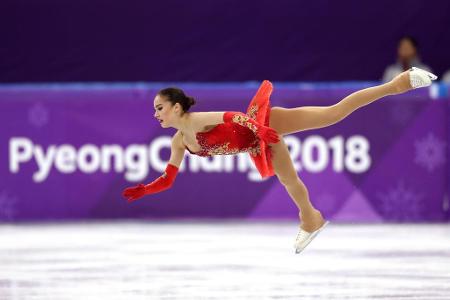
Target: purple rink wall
[(68, 151)]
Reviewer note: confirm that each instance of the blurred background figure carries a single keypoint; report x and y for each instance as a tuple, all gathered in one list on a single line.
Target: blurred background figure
[(407, 57), (446, 77)]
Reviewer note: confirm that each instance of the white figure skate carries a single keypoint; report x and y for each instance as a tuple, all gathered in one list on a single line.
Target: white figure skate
[(304, 238), (420, 78)]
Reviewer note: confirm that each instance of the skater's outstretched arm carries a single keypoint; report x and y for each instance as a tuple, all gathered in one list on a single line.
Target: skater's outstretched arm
[(203, 119), (166, 180)]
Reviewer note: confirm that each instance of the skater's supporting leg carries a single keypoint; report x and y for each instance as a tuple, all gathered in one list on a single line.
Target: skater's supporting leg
[(287, 175)]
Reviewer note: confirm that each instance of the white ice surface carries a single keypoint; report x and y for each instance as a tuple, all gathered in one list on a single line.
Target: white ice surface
[(230, 260)]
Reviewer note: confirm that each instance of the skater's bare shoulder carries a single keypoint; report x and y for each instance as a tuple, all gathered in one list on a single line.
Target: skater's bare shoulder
[(205, 119), (177, 141)]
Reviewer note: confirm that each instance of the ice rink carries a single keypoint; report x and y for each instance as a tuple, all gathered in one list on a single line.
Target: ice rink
[(222, 260)]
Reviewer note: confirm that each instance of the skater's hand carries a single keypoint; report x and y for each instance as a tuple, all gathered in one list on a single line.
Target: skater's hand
[(135, 192), (267, 134), (161, 183)]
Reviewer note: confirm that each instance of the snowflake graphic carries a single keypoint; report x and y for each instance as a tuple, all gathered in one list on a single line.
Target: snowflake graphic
[(38, 115), (401, 203), (430, 152), (7, 206)]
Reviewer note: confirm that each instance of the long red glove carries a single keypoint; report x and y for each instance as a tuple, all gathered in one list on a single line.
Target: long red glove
[(162, 183), (267, 134)]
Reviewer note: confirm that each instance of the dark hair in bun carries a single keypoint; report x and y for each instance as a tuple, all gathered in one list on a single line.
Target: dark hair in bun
[(176, 95)]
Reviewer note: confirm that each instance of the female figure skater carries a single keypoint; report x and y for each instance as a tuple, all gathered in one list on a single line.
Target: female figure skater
[(259, 132)]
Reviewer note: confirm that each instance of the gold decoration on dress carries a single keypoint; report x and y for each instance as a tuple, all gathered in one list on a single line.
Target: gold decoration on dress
[(244, 121), (223, 149), (252, 111)]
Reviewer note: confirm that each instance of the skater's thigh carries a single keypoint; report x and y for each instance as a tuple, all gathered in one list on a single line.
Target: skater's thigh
[(291, 120), (282, 163)]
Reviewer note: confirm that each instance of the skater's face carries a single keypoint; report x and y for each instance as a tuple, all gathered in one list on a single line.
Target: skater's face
[(165, 112)]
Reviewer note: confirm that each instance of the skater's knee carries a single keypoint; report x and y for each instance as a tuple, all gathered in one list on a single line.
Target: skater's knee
[(289, 180), (337, 112)]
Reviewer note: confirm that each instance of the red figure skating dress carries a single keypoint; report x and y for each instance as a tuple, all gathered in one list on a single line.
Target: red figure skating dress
[(232, 138)]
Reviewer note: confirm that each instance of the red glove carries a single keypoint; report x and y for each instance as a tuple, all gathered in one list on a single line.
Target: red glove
[(160, 184), (267, 134)]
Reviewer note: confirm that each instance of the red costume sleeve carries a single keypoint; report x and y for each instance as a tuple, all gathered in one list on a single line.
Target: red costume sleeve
[(162, 183), (267, 134)]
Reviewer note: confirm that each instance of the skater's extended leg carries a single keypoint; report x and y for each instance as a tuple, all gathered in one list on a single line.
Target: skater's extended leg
[(291, 120)]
